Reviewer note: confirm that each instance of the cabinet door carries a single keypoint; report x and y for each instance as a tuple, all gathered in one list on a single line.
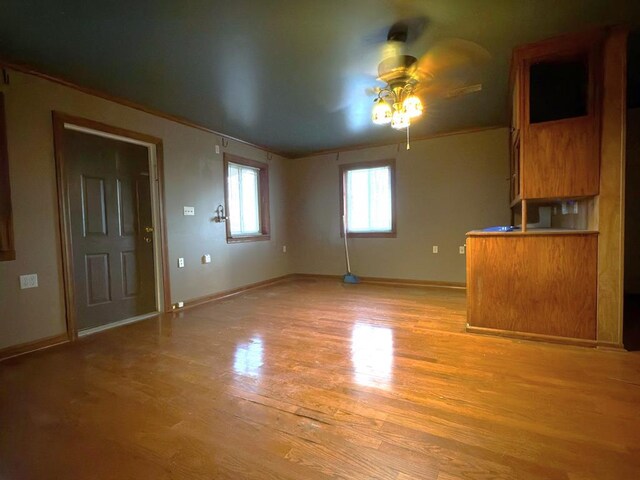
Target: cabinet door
[(560, 138), (541, 284)]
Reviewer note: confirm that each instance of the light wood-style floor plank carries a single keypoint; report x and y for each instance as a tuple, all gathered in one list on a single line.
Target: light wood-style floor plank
[(313, 379)]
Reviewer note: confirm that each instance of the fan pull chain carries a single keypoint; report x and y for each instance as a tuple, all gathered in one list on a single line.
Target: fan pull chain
[(408, 144)]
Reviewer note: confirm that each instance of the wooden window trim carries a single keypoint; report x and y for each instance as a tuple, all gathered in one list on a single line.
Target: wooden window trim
[(346, 167), (7, 247), (263, 175)]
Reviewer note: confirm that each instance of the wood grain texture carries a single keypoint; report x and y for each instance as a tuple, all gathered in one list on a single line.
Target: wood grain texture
[(313, 379), (561, 158), (534, 284), (611, 199), (398, 282), (7, 248), (537, 337), (232, 291), (23, 348)]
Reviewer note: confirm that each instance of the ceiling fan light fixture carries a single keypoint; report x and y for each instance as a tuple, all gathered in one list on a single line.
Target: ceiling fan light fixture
[(381, 113), (412, 106), (400, 119)]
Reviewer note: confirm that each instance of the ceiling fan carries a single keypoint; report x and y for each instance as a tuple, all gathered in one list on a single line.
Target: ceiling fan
[(443, 71)]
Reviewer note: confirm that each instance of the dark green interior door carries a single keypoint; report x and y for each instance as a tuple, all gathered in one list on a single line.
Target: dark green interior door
[(108, 189)]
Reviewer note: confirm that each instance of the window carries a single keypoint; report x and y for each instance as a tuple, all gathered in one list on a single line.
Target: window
[(368, 191), (247, 199), (7, 251)]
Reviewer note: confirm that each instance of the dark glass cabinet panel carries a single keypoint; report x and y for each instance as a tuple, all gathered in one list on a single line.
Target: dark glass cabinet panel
[(558, 89)]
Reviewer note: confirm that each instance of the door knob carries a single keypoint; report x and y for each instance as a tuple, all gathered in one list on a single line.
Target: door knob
[(148, 229)]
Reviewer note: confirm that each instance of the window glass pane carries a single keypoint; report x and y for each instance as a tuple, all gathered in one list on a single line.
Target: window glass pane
[(358, 200), (380, 204), (234, 199), (244, 206), (250, 217), (369, 200)]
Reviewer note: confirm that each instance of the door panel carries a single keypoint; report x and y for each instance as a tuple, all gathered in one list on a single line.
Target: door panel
[(110, 210), (94, 210), (97, 274), (127, 208), (129, 274)]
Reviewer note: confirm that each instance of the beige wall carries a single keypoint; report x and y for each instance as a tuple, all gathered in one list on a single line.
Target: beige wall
[(446, 186), (193, 176)]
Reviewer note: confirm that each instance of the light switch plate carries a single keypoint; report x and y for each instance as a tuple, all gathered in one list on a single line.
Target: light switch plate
[(461, 249), (206, 258), (189, 210), (435, 249), (29, 281)]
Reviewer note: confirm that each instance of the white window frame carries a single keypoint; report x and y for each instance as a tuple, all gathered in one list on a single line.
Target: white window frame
[(344, 171)]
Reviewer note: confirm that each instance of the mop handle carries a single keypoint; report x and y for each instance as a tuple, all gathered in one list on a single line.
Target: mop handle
[(346, 248)]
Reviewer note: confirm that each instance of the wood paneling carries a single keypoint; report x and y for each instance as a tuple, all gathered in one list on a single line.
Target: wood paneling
[(7, 249), (611, 200), (561, 159), (277, 383), (535, 284)]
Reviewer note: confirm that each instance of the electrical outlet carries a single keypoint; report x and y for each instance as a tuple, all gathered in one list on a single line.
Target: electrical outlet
[(206, 258), (435, 249), (461, 249), (284, 249), (189, 210), (29, 281), (181, 262)]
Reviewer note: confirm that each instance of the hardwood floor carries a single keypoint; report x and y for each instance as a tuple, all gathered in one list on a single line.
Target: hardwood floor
[(312, 379)]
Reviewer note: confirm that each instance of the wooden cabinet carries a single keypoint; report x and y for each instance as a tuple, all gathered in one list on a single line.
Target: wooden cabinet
[(541, 284), (556, 96)]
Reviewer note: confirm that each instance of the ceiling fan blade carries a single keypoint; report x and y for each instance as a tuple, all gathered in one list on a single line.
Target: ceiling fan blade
[(466, 90), (445, 90), (372, 91), (452, 58)]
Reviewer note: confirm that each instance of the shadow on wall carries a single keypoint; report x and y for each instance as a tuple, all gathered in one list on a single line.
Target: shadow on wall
[(631, 329)]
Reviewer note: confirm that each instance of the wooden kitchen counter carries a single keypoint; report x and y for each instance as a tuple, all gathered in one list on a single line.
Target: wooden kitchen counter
[(537, 284)]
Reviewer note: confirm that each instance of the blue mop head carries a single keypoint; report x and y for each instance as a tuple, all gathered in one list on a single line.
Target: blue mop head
[(350, 278)]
